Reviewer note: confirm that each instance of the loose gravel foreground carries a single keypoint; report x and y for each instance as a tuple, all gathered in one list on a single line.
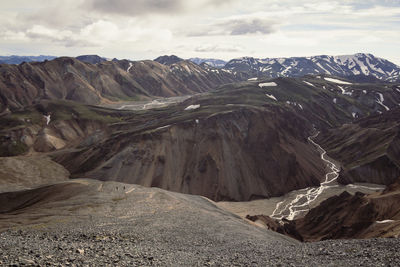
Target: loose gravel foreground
[(90, 223)]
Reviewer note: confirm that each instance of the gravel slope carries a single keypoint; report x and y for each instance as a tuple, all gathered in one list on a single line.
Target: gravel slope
[(91, 223)]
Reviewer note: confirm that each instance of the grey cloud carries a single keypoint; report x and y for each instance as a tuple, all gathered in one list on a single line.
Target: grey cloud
[(242, 27), (237, 27), (137, 7)]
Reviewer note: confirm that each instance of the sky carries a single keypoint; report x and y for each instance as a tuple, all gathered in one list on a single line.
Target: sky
[(224, 29)]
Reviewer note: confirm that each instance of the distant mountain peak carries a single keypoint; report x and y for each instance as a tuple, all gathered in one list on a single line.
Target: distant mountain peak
[(93, 59), (216, 63), (14, 59), (168, 60), (363, 64)]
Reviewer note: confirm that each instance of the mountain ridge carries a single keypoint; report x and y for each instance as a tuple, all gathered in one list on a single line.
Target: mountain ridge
[(341, 66)]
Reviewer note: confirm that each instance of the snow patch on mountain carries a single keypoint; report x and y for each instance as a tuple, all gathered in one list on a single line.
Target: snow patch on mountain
[(268, 84), (336, 81), (344, 92), (294, 104), (309, 83), (385, 221), (271, 96), (380, 101), (130, 66), (47, 117), (192, 107)]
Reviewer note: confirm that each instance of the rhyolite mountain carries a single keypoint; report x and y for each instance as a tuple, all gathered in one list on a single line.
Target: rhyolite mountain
[(102, 81), (234, 144), (342, 66), (253, 133), (71, 79)]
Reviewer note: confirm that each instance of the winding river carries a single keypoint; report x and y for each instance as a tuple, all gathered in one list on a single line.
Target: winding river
[(300, 203)]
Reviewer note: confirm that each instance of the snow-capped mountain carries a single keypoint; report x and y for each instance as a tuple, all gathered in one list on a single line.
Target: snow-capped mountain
[(216, 63), (342, 66)]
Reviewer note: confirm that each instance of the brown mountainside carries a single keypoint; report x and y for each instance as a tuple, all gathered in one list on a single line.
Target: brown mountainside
[(369, 149), (239, 154), (71, 79)]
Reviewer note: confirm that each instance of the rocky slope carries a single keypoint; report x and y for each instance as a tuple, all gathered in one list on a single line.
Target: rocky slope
[(71, 79), (87, 222), (342, 66), (22, 172)]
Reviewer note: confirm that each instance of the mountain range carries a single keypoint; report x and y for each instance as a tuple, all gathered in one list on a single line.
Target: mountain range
[(19, 59), (359, 67), (341, 66), (107, 81), (145, 159)]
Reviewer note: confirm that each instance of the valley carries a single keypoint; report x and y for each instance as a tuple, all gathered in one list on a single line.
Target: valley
[(167, 162)]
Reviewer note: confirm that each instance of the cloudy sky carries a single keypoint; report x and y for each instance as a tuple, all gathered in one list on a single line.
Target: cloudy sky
[(145, 29)]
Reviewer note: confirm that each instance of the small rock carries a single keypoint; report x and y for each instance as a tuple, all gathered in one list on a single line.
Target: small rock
[(80, 251), (26, 261)]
